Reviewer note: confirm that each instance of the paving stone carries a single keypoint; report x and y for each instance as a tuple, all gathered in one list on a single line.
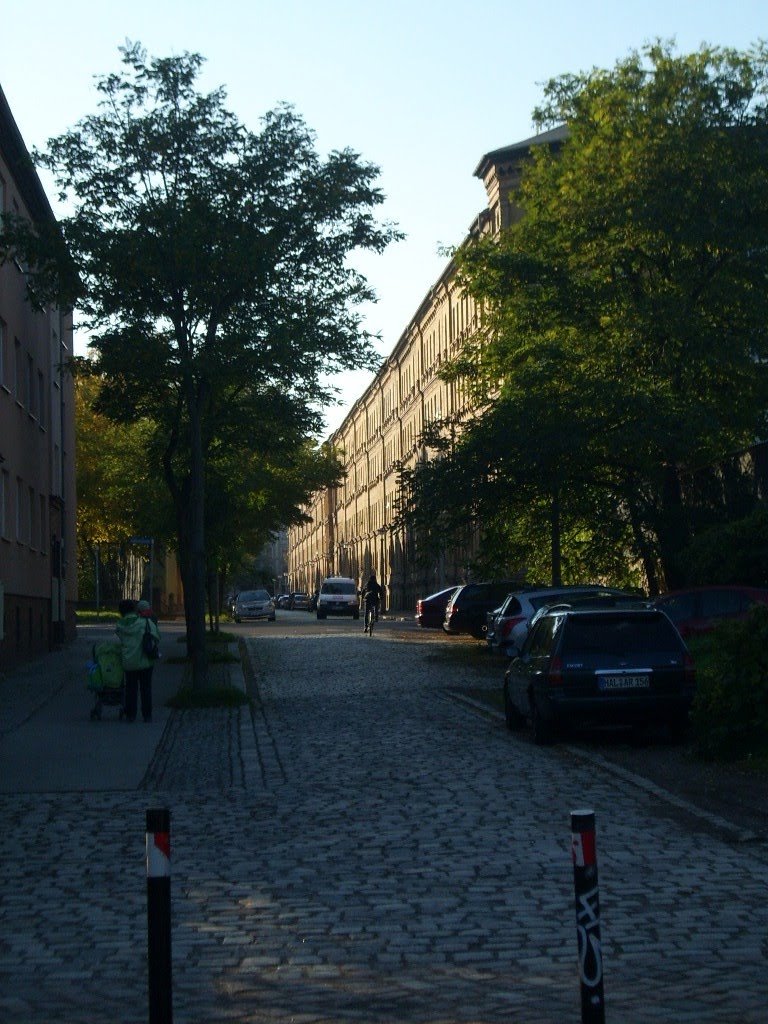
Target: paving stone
[(357, 848)]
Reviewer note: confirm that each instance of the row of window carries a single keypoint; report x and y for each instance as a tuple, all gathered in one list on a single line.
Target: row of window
[(23, 513), (20, 377)]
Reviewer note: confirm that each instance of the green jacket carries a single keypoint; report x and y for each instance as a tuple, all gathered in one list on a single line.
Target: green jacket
[(130, 632)]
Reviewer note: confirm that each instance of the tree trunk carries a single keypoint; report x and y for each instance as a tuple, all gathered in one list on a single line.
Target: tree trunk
[(643, 548), (672, 529), (557, 556), (194, 587)]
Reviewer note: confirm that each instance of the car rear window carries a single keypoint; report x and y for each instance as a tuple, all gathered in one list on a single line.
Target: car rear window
[(616, 634), (338, 587)]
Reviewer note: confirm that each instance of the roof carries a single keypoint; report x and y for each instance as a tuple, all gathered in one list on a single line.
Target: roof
[(16, 156), (519, 150)]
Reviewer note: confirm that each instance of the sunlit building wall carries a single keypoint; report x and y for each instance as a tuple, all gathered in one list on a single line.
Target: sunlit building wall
[(350, 529)]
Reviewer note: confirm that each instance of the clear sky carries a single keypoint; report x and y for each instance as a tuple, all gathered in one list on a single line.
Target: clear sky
[(422, 88)]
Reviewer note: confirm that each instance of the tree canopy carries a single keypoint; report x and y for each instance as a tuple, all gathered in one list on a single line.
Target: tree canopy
[(625, 315), (215, 279)]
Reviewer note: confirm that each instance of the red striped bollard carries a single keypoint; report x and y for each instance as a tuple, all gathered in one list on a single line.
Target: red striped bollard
[(159, 916), (584, 851)]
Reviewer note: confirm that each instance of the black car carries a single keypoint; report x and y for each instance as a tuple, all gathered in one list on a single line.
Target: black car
[(620, 666), (467, 609), (430, 611)]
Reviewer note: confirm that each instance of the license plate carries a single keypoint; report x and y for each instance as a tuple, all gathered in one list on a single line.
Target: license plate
[(627, 682)]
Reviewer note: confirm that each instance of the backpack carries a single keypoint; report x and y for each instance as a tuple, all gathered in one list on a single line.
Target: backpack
[(150, 645)]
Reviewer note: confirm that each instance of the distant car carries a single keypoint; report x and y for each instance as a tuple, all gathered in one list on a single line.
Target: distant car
[(283, 601), (470, 603), (338, 596), (430, 611), (299, 602), (254, 604), (699, 609), (508, 627), (595, 667)]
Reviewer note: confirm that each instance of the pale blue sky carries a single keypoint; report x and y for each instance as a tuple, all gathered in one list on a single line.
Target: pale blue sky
[(421, 88)]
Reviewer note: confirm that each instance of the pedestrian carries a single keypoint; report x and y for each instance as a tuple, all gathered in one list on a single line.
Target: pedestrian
[(131, 629)]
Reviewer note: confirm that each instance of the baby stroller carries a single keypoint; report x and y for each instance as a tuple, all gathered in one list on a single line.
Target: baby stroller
[(106, 678)]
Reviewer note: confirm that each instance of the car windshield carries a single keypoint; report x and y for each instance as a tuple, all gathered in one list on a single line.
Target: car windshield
[(617, 634), (339, 587), (253, 595)]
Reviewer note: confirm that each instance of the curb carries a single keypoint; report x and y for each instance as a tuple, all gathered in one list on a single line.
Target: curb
[(740, 835)]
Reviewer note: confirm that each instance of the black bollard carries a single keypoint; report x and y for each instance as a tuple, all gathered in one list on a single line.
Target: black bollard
[(584, 851), (159, 916)]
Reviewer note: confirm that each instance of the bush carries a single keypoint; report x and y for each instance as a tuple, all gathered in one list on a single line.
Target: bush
[(730, 712)]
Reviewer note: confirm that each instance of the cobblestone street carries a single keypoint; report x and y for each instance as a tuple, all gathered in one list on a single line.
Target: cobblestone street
[(360, 847)]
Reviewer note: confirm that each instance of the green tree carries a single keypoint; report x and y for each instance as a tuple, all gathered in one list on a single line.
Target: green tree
[(215, 272), (116, 478), (625, 332)]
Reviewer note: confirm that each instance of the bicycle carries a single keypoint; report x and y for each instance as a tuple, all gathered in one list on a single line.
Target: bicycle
[(370, 616)]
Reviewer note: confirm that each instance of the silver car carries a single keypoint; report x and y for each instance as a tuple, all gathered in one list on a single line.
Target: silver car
[(254, 604), (509, 628)]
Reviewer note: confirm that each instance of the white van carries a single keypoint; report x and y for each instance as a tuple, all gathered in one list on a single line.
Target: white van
[(338, 596)]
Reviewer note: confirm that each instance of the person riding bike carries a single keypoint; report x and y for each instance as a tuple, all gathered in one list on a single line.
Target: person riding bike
[(372, 594)]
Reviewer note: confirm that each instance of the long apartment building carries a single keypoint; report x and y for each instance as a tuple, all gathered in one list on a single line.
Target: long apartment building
[(38, 579), (350, 528)]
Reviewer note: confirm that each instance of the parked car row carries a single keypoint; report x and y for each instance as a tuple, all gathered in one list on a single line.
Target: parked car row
[(589, 654)]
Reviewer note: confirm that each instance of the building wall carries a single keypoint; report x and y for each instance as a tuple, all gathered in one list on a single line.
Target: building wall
[(38, 577), (349, 532)]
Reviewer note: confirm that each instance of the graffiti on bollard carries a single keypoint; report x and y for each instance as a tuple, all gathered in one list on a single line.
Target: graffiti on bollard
[(587, 902)]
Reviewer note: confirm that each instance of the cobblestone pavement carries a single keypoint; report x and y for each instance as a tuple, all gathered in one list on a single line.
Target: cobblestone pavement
[(359, 847)]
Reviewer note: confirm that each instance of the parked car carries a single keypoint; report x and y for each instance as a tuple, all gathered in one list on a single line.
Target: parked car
[(699, 609), (283, 601), (254, 604), (508, 626), (338, 596), (299, 602), (619, 666), (430, 611), (469, 604)]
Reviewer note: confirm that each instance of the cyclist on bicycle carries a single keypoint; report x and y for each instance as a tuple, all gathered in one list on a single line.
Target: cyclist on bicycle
[(372, 593)]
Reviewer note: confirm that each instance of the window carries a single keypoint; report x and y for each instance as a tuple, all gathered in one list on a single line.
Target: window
[(30, 388), (42, 546), (19, 514), (2, 354), (41, 404), (17, 369), (4, 499), (31, 531)]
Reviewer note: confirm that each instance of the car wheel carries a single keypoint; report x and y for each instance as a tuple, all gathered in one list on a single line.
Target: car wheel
[(541, 729), (512, 716)]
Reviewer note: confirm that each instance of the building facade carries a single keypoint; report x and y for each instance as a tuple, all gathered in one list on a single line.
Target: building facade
[(38, 578), (350, 532)]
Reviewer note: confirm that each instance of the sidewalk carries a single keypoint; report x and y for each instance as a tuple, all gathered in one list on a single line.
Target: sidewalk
[(48, 742)]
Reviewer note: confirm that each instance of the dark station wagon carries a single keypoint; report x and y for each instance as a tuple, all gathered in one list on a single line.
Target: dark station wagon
[(597, 667)]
